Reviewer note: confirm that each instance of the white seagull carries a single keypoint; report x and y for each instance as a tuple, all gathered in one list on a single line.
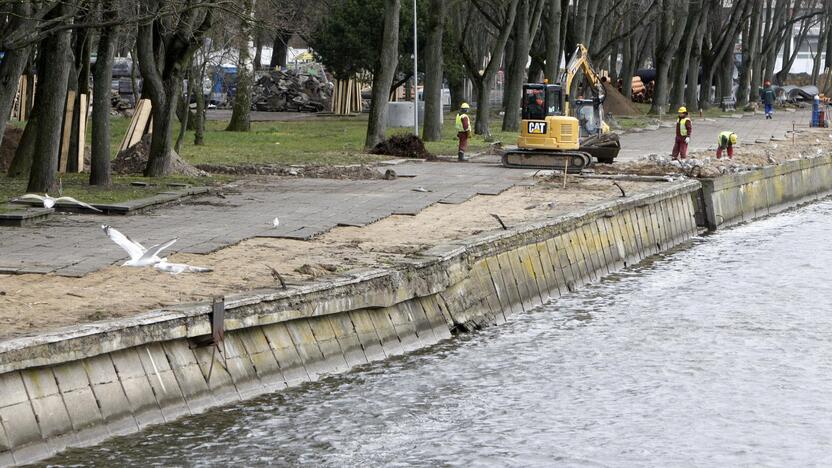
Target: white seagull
[(275, 222), (49, 202), (142, 257)]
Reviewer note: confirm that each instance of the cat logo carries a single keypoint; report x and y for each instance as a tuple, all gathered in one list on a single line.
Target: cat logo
[(537, 128)]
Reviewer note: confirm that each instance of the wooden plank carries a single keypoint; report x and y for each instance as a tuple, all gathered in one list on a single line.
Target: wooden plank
[(141, 123), (67, 132), (131, 127), (83, 115), (23, 102)]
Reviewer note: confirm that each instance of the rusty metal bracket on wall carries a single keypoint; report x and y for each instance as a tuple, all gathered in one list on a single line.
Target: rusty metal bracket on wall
[(217, 319)]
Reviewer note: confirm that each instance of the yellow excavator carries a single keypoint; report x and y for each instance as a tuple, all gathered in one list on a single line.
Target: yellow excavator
[(561, 132)]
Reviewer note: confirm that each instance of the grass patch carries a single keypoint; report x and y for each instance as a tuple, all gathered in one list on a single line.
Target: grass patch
[(75, 185), (317, 140)]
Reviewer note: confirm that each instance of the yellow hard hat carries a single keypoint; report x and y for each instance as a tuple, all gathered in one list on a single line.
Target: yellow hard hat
[(683, 110), (733, 138), (464, 106)]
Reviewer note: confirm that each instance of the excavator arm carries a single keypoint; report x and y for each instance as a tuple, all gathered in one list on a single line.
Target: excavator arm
[(580, 62)]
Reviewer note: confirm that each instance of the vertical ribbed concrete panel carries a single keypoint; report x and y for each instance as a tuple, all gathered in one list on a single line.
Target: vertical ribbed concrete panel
[(367, 335), (214, 368), (137, 387), (50, 410), (262, 358), (240, 367), (335, 362), (347, 337), (403, 324), (501, 290), (550, 286), (424, 330), (307, 346), (441, 328), (20, 425), (386, 332), (163, 381), (106, 386), (491, 291), (189, 376), (512, 289), (284, 350), (80, 402)]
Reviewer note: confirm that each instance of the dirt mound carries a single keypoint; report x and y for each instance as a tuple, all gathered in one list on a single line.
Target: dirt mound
[(133, 160), (404, 146), (355, 172), (11, 138), (618, 104)]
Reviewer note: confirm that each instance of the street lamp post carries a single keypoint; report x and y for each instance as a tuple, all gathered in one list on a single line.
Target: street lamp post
[(415, 75)]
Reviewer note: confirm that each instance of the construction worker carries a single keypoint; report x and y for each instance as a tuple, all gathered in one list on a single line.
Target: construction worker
[(464, 130), (684, 128), (768, 96), (726, 141)]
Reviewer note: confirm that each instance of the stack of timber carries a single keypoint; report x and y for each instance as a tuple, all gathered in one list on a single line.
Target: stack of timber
[(140, 125)]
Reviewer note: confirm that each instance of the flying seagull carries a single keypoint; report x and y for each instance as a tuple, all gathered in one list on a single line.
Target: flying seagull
[(49, 202), (139, 255), (142, 257)]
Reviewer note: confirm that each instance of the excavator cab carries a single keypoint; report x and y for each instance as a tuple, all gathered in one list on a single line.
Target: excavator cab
[(544, 124)]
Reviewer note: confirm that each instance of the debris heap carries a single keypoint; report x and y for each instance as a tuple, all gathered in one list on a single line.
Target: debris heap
[(288, 91), (404, 146)]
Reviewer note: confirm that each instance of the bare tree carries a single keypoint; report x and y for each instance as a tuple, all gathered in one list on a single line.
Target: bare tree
[(383, 74), (164, 47), (494, 21), (432, 130)]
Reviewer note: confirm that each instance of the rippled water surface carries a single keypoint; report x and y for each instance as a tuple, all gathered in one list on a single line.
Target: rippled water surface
[(717, 354)]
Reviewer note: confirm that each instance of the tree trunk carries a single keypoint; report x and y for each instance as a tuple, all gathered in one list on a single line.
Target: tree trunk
[(258, 50), (383, 74), (241, 113), (100, 144), (183, 124), (80, 78), (514, 82), (52, 86), (669, 35), (456, 87), (25, 153), (14, 61), (280, 49), (432, 130), (682, 62), (161, 143), (199, 114)]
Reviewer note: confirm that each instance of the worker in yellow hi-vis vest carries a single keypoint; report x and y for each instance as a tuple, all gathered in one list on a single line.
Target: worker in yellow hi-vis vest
[(684, 128), (464, 129)]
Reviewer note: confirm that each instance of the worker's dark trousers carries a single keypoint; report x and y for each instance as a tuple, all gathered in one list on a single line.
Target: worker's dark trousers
[(680, 148), (463, 141)]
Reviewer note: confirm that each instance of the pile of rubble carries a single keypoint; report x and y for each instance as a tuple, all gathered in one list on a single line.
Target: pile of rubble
[(288, 91), (704, 164), (120, 105), (133, 160)]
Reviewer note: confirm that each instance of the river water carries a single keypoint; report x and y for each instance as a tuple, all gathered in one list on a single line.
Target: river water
[(716, 354)]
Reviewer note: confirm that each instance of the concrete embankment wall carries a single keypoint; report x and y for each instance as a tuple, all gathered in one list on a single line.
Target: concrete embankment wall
[(743, 197), (81, 386)]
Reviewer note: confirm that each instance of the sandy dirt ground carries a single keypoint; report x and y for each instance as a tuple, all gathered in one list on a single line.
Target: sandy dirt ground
[(33, 303), (748, 156)]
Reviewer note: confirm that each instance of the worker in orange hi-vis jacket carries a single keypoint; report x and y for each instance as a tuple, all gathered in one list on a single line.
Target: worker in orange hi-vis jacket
[(684, 128), (463, 130)]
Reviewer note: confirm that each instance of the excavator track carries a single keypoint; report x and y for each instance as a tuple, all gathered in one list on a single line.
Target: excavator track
[(541, 159)]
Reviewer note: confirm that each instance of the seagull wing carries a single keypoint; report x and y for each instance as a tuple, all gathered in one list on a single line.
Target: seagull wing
[(156, 249), (72, 200), (31, 196), (134, 249)]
